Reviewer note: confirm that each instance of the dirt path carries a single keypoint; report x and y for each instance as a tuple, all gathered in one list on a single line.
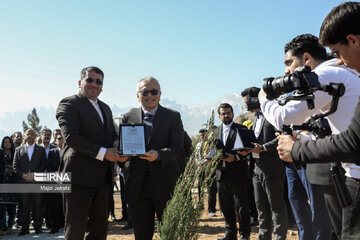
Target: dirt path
[(211, 227)]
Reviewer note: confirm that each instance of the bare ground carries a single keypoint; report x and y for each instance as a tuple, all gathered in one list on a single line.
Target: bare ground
[(211, 227)]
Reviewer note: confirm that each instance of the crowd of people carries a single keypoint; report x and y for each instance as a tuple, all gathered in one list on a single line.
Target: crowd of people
[(256, 160)]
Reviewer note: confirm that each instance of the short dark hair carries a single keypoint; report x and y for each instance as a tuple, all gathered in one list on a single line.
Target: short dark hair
[(44, 130), (306, 43), (343, 20), (13, 135), (251, 92), (225, 105), (91, 69), (202, 130)]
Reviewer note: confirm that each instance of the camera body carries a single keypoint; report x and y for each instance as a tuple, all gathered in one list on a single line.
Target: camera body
[(302, 80)]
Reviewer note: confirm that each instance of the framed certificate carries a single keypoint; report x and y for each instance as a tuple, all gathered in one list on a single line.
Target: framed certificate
[(132, 139)]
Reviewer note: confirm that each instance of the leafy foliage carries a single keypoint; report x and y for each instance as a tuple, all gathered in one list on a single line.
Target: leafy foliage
[(182, 214)]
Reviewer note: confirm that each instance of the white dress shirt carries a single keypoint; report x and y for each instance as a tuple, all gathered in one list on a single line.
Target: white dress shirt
[(30, 150), (226, 131), (296, 112), (101, 154)]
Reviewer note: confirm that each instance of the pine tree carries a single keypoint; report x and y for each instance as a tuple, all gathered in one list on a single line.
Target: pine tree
[(33, 122)]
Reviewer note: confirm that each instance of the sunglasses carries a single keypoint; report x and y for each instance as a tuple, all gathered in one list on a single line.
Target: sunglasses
[(97, 81), (153, 92)]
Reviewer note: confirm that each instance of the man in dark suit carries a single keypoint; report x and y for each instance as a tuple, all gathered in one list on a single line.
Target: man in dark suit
[(152, 178), (232, 175), (55, 210), (29, 158), (87, 126), (269, 173)]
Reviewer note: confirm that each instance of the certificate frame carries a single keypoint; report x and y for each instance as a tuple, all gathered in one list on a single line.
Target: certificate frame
[(132, 139)]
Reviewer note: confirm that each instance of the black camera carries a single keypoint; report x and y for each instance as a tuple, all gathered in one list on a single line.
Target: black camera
[(252, 103), (302, 80)]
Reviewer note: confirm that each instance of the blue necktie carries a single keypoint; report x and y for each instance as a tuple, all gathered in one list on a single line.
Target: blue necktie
[(148, 121)]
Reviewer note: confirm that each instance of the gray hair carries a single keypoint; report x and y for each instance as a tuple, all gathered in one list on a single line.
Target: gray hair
[(147, 79)]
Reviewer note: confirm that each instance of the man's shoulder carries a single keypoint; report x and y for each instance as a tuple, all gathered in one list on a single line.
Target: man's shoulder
[(168, 110), (71, 98), (239, 126), (328, 71)]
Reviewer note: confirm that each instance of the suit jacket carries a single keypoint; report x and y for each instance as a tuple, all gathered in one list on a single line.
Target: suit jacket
[(166, 137), (84, 135), (2, 165), (22, 164), (236, 169), (53, 161), (270, 162)]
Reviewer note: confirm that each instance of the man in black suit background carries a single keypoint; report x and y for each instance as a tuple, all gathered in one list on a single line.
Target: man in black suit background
[(269, 173), (152, 178), (29, 158), (55, 210), (232, 176), (87, 126)]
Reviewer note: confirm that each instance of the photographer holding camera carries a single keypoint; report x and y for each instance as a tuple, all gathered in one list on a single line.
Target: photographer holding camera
[(304, 50), (340, 31), (269, 173)]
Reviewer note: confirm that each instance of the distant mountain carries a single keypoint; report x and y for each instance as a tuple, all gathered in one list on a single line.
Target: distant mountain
[(193, 117)]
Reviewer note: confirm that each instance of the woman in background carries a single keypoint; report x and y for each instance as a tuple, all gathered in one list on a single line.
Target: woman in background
[(8, 201)]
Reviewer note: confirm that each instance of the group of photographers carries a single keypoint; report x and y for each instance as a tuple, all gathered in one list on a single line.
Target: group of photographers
[(317, 204)]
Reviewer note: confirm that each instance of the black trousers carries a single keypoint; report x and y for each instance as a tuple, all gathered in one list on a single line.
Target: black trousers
[(334, 209), (212, 190), (143, 212), (351, 214), (86, 212), (269, 198), (234, 195), (54, 214), (28, 202)]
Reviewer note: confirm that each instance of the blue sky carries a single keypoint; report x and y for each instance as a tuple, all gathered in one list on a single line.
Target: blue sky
[(199, 50)]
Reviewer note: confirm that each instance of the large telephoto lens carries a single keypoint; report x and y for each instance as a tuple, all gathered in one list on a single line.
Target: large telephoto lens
[(275, 87)]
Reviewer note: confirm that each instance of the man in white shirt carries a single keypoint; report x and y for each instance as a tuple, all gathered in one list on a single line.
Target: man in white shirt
[(29, 158), (305, 50)]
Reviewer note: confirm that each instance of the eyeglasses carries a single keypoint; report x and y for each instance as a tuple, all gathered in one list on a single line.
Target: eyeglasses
[(97, 81), (153, 92)]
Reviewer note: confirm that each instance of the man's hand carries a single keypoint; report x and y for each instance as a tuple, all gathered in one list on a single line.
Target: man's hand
[(28, 176), (116, 144), (261, 94), (112, 155), (230, 157), (284, 147), (151, 155), (243, 153), (257, 148)]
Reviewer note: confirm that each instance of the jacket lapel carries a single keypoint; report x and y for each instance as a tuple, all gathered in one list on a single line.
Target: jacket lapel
[(24, 149), (157, 122), (91, 109), (232, 135)]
